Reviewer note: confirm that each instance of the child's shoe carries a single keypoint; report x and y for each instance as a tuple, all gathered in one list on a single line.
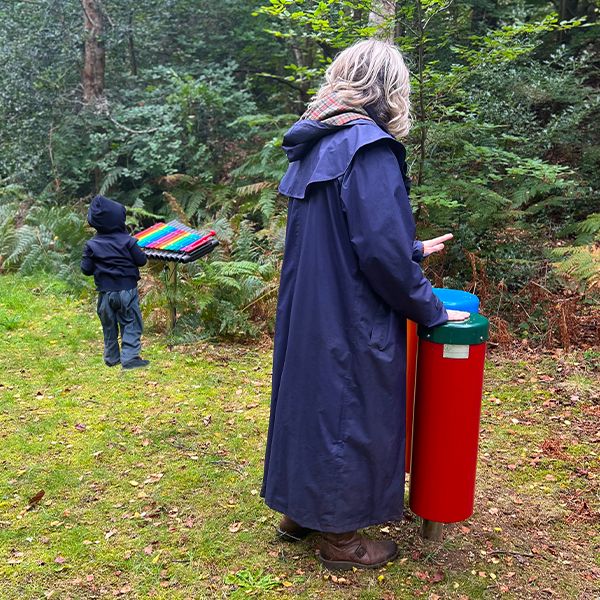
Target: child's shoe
[(112, 364), (136, 363)]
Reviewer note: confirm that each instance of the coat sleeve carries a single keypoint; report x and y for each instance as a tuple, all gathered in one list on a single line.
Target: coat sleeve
[(87, 261), (418, 251), (137, 254), (382, 232)]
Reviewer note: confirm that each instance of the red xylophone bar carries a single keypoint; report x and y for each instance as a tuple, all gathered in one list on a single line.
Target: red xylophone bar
[(191, 247)]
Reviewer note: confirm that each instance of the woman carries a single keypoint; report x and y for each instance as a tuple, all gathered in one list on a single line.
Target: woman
[(350, 279)]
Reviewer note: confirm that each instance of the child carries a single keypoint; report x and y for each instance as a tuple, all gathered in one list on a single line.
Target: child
[(112, 256)]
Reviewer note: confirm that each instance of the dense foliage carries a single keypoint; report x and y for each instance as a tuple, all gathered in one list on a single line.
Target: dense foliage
[(504, 151)]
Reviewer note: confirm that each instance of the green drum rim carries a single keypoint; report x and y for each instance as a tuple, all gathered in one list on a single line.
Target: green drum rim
[(475, 330)]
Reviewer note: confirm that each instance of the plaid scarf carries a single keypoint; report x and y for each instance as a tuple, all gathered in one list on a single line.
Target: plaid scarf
[(331, 111)]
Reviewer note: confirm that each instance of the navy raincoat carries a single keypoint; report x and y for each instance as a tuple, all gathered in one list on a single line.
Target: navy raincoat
[(350, 279), (112, 256)]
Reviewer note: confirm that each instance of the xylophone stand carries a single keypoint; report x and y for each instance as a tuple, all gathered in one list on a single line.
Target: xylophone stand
[(171, 288)]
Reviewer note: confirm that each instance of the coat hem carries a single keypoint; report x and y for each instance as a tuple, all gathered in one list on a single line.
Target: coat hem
[(343, 527)]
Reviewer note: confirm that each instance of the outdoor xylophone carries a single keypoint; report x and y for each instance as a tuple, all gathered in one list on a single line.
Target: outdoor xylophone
[(175, 242)]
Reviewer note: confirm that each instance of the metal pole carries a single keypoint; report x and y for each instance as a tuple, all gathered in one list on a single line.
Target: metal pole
[(432, 530), (172, 293)]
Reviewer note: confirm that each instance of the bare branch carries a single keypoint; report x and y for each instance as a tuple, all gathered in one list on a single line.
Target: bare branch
[(127, 129), (283, 80)]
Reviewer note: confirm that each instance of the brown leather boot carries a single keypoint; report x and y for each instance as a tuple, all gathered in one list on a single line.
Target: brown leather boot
[(290, 531), (342, 551)]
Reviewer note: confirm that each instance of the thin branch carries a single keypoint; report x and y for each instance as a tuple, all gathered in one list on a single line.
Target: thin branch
[(261, 297), (437, 12), (512, 553), (105, 13), (87, 15), (291, 84), (127, 129)]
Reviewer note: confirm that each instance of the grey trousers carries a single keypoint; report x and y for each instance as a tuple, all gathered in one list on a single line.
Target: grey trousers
[(120, 311)]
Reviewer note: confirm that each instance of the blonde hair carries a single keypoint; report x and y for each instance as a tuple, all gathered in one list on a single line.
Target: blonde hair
[(372, 74)]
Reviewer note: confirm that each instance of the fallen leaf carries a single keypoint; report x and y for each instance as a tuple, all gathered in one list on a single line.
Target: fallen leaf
[(437, 577), (60, 560), (126, 589), (153, 478), (35, 499), (235, 527)]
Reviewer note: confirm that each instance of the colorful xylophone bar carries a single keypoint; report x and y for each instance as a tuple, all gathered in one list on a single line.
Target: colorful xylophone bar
[(174, 241)]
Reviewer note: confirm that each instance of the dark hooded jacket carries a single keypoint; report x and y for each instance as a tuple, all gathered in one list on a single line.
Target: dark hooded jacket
[(112, 256), (350, 279)]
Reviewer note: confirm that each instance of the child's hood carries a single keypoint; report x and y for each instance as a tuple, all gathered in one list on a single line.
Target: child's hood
[(106, 216)]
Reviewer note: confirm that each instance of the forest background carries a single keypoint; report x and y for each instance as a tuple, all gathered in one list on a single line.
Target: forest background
[(177, 108)]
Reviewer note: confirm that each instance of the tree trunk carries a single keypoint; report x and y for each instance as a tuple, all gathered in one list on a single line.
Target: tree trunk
[(131, 44), (383, 16), (92, 77), (421, 116)]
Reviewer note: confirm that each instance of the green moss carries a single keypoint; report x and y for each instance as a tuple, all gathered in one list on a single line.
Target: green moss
[(151, 478)]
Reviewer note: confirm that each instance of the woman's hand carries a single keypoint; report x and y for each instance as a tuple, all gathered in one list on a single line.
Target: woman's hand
[(436, 244), (457, 315)]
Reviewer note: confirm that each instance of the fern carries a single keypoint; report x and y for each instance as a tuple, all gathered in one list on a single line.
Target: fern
[(236, 268), (267, 203), (194, 203), (26, 241), (50, 239), (176, 208), (7, 231), (254, 188), (586, 231), (581, 260), (245, 246), (111, 179), (581, 263)]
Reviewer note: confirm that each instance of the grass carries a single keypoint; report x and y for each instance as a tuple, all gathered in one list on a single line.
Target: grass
[(151, 478)]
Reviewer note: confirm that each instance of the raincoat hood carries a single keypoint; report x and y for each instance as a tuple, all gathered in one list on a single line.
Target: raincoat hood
[(106, 216), (302, 136), (320, 152)]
